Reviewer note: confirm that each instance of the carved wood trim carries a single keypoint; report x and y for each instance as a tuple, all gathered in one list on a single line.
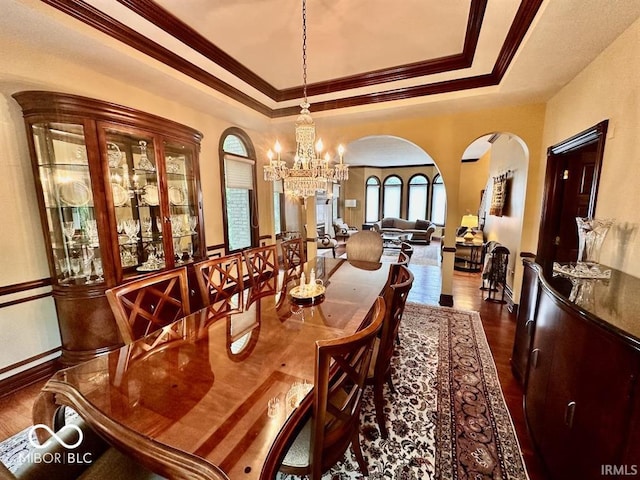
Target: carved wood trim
[(91, 16)]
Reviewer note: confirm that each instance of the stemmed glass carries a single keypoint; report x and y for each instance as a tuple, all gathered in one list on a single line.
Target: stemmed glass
[(91, 229), (131, 229), (193, 223), (75, 267), (69, 231), (177, 250), (159, 224), (97, 266), (189, 251), (146, 225)]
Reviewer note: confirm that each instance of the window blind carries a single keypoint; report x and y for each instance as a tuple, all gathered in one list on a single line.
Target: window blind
[(238, 172)]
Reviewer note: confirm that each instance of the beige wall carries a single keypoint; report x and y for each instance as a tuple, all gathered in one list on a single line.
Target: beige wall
[(509, 155), (608, 89), (473, 179)]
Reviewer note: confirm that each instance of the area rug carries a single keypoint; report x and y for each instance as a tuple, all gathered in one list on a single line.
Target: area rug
[(448, 419)]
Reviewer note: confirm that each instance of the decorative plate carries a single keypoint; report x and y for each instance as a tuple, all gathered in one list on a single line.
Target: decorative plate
[(120, 195), (75, 193), (151, 196), (176, 196)]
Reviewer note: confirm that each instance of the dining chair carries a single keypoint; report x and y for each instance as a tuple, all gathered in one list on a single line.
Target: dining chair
[(221, 283), (144, 305), (263, 268), (340, 373), (365, 246), (407, 249), (395, 297), (293, 257)]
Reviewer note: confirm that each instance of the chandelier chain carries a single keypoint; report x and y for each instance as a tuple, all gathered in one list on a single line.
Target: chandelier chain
[(304, 49), (310, 172)]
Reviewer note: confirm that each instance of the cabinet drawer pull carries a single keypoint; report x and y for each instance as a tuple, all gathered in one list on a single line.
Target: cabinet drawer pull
[(529, 326), (569, 413), (534, 357)]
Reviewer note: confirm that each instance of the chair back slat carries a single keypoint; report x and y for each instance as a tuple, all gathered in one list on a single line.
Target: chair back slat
[(293, 257), (149, 303), (263, 267), (221, 284)]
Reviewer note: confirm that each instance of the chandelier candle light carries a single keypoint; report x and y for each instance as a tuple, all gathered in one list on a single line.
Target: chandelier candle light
[(310, 171)]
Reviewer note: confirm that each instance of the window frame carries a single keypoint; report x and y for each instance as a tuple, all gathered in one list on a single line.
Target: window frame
[(437, 180), (384, 193), (254, 224), (427, 193), (366, 197)]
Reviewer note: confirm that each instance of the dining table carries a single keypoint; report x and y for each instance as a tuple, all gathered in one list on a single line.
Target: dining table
[(220, 393)]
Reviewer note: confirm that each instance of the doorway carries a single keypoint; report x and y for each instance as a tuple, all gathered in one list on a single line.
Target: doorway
[(571, 190)]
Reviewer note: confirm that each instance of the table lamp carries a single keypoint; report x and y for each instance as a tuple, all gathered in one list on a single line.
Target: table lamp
[(471, 222)]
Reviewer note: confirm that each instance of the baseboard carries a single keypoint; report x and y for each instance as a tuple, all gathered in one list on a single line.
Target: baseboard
[(30, 376)]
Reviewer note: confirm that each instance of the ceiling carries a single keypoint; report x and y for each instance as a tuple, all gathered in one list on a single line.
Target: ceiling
[(362, 55)]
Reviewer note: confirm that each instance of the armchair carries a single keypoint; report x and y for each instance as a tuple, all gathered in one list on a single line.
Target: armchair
[(342, 230)]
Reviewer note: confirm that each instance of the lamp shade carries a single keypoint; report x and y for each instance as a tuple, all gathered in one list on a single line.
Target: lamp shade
[(350, 203), (469, 221)]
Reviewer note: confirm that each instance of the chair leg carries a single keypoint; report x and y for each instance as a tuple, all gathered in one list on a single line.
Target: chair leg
[(355, 444), (390, 383), (378, 400), (333, 249)]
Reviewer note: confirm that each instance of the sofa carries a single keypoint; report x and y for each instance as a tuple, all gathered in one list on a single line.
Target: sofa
[(420, 230)]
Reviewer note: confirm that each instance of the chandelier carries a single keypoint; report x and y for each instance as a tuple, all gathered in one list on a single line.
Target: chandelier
[(310, 172)]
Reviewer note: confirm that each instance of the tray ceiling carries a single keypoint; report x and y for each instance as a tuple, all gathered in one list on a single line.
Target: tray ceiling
[(368, 54)]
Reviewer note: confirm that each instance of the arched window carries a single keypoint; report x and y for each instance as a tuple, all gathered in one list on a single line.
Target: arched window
[(438, 201), (418, 195), (240, 213), (372, 200), (392, 196)]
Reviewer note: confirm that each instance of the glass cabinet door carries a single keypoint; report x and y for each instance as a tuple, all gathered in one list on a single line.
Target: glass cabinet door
[(63, 170), (183, 201), (136, 198)]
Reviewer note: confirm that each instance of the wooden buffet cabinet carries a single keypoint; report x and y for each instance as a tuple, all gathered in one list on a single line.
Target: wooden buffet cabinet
[(119, 197), (578, 348)]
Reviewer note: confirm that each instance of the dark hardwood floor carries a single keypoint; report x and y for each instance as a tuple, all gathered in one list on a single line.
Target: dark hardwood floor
[(499, 326)]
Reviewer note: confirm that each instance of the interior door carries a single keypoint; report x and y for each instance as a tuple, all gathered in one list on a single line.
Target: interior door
[(577, 174), (571, 188)]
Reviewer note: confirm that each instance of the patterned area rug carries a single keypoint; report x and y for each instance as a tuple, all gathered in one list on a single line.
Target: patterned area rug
[(448, 419)]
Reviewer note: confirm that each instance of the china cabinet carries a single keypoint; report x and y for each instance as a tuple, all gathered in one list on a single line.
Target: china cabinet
[(582, 395), (119, 196)]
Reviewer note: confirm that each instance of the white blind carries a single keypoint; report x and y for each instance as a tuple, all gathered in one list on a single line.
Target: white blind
[(238, 172)]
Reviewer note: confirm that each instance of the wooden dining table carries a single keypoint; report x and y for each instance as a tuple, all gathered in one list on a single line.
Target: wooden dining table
[(216, 396)]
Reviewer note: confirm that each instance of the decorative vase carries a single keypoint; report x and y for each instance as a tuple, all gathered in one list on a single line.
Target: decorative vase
[(591, 233)]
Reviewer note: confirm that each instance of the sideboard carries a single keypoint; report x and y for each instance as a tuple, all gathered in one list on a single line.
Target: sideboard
[(578, 344)]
